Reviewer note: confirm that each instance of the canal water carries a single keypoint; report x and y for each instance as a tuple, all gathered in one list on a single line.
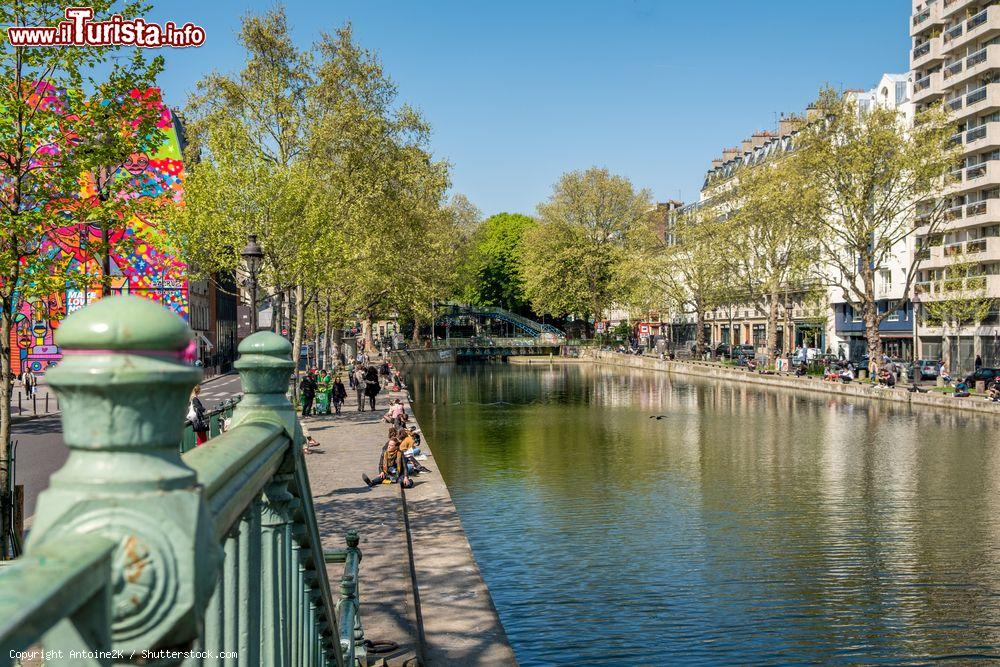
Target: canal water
[(639, 518)]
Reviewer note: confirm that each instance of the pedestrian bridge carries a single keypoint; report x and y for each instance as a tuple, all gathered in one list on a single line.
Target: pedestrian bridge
[(490, 348), (491, 320), (139, 553)]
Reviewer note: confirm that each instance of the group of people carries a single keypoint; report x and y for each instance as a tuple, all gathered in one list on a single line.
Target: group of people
[(29, 382), (400, 457), (310, 385)]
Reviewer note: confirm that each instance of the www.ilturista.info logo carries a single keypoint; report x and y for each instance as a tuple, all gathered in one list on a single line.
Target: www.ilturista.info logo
[(79, 29)]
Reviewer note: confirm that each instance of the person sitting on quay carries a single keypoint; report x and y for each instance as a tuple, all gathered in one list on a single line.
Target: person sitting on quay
[(391, 467), (395, 413), (338, 394), (847, 375), (886, 378), (961, 389), (993, 390)]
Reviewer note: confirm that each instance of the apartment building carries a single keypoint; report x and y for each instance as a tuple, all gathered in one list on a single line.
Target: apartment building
[(956, 59), (801, 320), (846, 329)]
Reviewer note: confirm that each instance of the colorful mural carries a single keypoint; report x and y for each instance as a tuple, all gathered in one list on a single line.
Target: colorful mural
[(143, 264)]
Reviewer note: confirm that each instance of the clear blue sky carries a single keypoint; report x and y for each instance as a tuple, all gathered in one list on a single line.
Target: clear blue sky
[(520, 92)]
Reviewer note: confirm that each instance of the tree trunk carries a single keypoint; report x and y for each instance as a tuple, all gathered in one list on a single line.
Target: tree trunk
[(6, 385), (331, 361), (367, 334), (416, 330), (699, 334), (300, 317), (772, 325), (316, 349), (338, 343), (869, 311), (276, 308)]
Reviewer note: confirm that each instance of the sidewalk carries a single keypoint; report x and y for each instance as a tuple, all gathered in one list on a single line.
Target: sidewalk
[(420, 584), (351, 443)]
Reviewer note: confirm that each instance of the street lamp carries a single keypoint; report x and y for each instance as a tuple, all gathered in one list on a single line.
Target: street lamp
[(253, 257)]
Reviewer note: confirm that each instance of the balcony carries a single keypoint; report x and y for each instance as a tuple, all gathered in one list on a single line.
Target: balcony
[(926, 19), (977, 208), (953, 33), (981, 138), (975, 247), (928, 88), (981, 100), (953, 249), (926, 54), (983, 25), (968, 68), (951, 8)]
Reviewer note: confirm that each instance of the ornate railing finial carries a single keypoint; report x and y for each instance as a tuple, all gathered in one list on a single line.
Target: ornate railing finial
[(265, 366), (123, 386)]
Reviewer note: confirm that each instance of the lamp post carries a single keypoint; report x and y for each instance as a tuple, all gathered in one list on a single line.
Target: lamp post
[(252, 257)]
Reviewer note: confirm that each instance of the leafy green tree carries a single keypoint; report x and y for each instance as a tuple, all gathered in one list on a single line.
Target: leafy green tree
[(682, 272), (55, 135), (772, 207), (492, 263), (873, 176), (574, 259)]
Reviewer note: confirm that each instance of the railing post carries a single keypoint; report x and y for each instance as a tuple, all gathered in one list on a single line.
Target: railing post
[(276, 555), (124, 387)]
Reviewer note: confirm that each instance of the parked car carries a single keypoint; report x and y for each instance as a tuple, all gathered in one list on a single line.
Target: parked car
[(981, 375), (926, 369), (724, 350)]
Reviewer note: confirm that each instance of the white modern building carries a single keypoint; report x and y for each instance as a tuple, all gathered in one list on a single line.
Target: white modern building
[(956, 59)]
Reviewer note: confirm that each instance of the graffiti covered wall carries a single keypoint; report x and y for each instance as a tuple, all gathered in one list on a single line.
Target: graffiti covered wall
[(144, 264)]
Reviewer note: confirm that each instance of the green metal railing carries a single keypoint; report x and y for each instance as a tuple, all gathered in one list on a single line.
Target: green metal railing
[(141, 554), (215, 416)]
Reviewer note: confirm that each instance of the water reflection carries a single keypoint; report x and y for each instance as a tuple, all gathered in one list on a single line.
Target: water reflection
[(743, 526)]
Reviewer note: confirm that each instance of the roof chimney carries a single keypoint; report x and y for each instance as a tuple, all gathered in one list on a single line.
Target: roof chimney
[(716, 163), (729, 153), (746, 146), (789, 123)]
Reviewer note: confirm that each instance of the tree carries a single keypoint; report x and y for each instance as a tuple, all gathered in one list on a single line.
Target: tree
[(54, 134), (683, 272), (960, 299), (772, 205), (491, 268), (589, 228), (872, 175)]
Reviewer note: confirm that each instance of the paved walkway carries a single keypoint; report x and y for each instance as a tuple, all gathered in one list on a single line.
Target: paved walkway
[(420, 585), (351, 443)]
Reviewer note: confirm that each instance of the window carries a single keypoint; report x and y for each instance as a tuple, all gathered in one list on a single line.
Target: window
[(893, 316), (855, 315), (885, 280)]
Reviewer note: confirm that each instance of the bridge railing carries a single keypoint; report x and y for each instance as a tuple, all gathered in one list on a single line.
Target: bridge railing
[(489, 341), (211, 557)]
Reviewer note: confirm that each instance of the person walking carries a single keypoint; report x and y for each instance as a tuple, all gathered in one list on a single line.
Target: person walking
[(29, 383), (196, 415), (372, 386), (308, 388), (359, 387), (338, 394), (979, 362)]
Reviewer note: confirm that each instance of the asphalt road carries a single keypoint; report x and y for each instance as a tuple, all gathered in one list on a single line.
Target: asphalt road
[(40, 449)]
